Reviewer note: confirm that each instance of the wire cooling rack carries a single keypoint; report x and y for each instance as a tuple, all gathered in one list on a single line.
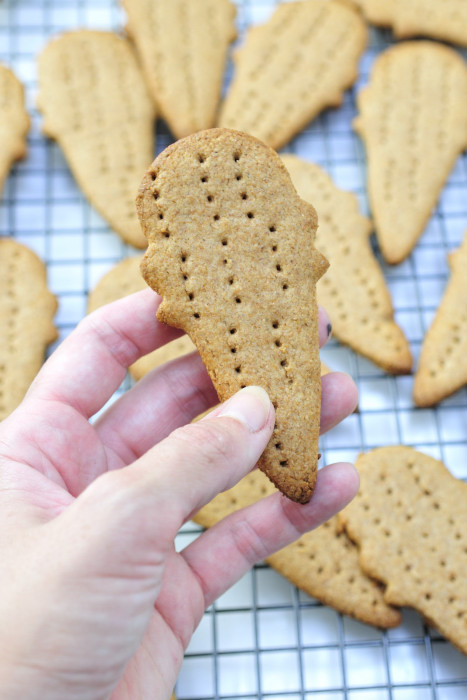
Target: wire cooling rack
[(264, 638)]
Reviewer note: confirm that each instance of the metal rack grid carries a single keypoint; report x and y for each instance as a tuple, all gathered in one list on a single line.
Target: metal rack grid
[(264, 638)]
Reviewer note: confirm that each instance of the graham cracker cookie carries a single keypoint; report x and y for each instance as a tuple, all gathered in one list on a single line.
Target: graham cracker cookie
[(27, 308), (14, 122), (413, 120), (445, 20), (123, 279), (231, 251), (183, 49), (323, 562), (410, 522), (442, 369), (96, 105), (293, 67), (354, 290)]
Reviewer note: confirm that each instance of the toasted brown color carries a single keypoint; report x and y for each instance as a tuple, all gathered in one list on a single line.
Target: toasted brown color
[(123, 279), (292, 67), (183, 47), (27, 308), (14, 122), (442, 367), (413, 120), (231, 251), (323, 563), (353, 291), (96, 105), (410, 522), (446, 20)]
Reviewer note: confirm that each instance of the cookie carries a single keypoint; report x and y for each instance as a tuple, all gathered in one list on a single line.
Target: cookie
[(442, 369), (14, 122), (123, 279), (413, 121), (323, 562), (27, 308), (183, 49), (231, 252), (293, 67), (353, 291), (410, 522), (96, 105), (445, 20)]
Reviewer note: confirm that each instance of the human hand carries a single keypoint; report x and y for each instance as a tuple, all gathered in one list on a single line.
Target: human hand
[(95, 602)]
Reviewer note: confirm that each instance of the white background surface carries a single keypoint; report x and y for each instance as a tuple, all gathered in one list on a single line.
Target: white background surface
[(264, 638)]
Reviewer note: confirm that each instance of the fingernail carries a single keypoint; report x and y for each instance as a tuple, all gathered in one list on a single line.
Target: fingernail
[(329, 329), (250, 406)]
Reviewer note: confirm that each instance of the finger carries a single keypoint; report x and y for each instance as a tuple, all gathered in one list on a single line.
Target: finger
[(225, 552), (339, 397), (91, 363)]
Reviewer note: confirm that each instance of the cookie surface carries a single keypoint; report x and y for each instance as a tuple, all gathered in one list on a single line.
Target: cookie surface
[(442, 368), (231, 251), (413, 121), (292, 67), (183, 47), (445, 20), (410, 522), (14, 122), (323, 563), (123, 279), (353, 291), (27, 308), (96, 105)]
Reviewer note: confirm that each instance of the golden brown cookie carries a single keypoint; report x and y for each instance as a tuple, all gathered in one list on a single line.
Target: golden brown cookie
[(442, 367), (231, 251), (183, 47), (353, 291), (293, 67), (445, 20), (323, 563), (410, 522), (14, 122), (96, 105), (27, 308), (413, 120), (123, 279)]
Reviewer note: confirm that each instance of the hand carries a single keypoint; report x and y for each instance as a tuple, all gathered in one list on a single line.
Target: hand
[(94, 601)]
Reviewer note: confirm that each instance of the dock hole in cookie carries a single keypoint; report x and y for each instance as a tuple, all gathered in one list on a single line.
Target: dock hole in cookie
[(224, 241), (216, 217), (244, 195), (196, 315), (250, 215), (278, 268), (204, 178), (238, 177), (236, 156), (272, 229), (153, 176), (238, 300), (233, 331), (284, 463), (209, 198), (155, 194), (238, 369), (201, 158), (191, 296), (285, 287), (274, 248)]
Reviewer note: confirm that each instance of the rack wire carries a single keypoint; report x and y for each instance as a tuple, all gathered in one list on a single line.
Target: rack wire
[(264, 638)]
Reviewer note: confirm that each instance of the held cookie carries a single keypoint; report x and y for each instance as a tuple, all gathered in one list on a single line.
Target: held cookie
[(445, 20), (442, 367), (323, 563), (183, 47), (14, 122), (27, 308), (410, 522), (96, 105), (293, 67), (353, 291), (123, 279), (413, 121), (231, 251)]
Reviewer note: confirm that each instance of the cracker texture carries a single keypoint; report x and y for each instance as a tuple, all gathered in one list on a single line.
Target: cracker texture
[(96, 105), (123, 279), (27, 308), (293, 67), (231, 251), (442, 367), (183, 49), (410, 522), (323, 562), (14, 122), (353, 291), (413, 121)]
